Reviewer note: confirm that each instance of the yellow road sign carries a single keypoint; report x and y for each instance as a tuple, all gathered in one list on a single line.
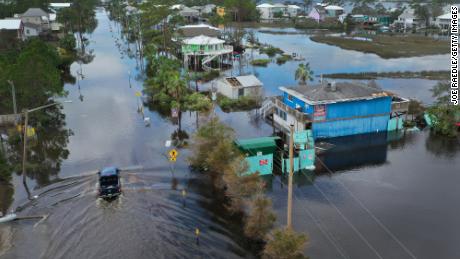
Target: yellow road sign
[(138, 94), (173, 153)]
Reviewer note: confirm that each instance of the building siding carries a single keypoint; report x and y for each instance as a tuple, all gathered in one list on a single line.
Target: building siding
[(337, 128), (358, 108)]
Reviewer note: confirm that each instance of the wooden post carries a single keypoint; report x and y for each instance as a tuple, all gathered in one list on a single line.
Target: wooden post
[(291, 173)]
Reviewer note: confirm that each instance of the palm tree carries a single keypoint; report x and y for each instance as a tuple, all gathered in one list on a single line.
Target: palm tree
[(304, 73), (306, 3)]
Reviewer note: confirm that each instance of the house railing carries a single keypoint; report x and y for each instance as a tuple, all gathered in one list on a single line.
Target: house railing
[(300, 116), (400, 105)]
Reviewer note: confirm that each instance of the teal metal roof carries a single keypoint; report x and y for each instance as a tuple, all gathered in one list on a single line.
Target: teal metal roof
[(255, 143)]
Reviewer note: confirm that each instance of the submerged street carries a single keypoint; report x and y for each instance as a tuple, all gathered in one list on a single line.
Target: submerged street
[(377, 196)]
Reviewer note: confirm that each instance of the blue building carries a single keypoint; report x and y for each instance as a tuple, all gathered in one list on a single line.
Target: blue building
[(339, 109)]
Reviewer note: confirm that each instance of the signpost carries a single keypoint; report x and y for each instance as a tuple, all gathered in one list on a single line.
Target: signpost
[(173, 155)]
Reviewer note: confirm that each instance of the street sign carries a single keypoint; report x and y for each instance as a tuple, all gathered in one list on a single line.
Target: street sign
[(138, 94), (168, 143), (173, 153)]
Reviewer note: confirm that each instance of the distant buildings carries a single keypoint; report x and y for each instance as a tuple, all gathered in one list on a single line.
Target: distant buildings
[(408, 20), (37, 18), (338, 109), (236, 87), (272, 11)]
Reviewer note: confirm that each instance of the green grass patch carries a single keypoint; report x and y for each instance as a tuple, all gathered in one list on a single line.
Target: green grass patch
[(244, 103), (271, 51), (283, 59), (260, 62), (389, 46), (329, 24), (206, 76)]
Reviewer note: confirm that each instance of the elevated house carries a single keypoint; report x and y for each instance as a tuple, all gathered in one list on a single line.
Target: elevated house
[(204, 9), (38, 17), (338, 109), (266, 11), (334, 11), (236, 87), (443, 21), (201, 52), (11, 28), (407, 20)]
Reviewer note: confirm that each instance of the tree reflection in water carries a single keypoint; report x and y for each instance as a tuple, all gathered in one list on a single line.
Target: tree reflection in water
[(46, 150)]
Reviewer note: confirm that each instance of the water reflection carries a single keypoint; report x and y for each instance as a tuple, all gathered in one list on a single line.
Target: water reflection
[(46, 150)]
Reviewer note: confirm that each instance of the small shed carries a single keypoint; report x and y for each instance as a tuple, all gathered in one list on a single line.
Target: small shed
[(259, 153), (236, 87)]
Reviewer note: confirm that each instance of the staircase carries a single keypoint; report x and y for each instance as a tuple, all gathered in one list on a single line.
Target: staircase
[(206, 61), (267, 107)]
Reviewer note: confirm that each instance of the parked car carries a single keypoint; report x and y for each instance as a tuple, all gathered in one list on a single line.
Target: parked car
[(109, 182)]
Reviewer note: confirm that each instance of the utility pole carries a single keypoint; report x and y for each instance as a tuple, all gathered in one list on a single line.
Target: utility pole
[(13, 93), (24, 153), (291, 173)]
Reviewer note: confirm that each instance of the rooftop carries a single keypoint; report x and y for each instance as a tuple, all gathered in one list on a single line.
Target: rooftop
[(35, 12), (243, 81), (265, 6), (256, 143), (344, 91), (199, 29), (445, 16), (60, 5), (10, 24), (109, 171), (203, 40), (333, 7)]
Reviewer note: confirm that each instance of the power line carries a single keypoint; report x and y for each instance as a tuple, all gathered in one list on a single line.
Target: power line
[(371, 214), (317, 222), (360, 235)]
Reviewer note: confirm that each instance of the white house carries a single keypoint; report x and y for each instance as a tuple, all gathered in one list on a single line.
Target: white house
[(443, 21), (408, 19), (11, 25), (235, 87), (36, 16), (293, 10), (334, 10), (32, 30), (266, 11)]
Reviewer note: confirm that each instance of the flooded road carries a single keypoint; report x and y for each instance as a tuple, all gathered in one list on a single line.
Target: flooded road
[(388, 196)]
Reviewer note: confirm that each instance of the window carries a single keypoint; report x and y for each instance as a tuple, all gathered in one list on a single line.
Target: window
[(241, 92), (290, 97), (27, 31)]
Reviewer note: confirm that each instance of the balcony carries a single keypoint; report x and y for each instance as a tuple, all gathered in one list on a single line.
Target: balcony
[(298, 115), (399, 104)]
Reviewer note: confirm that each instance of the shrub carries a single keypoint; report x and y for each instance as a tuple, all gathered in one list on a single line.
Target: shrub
[(283, 59), (285, 244), (271, 51), (68, 42), (260, 62), (243, 103)]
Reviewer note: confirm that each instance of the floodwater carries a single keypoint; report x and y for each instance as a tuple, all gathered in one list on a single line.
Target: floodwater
[(389, 196)]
